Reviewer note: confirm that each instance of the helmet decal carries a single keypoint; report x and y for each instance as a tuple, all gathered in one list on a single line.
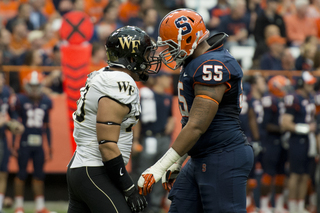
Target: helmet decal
[(129, 42), (182, 22)]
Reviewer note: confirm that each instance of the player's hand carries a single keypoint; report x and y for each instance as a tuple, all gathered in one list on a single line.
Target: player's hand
[(170, 176), (135, 201), (257, 148), (15, 127), (313, 127), (148, 178), (49, 156)]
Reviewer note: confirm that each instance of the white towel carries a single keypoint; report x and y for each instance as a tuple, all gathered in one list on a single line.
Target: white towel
[(148, 105), (312, 152)]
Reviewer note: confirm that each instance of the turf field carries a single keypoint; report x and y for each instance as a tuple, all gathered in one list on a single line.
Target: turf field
[(56, 206)]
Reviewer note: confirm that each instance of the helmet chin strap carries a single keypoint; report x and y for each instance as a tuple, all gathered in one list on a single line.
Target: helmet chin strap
[(143, 77), (195, 43)]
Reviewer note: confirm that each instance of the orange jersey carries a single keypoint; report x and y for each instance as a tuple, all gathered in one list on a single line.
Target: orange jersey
[(281, 10), (8, 9), (299, 29), (128, 10), (95, 8), (16, 45), (49, 8)]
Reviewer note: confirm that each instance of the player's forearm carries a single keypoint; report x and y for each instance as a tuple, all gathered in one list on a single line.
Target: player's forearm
[(272, 128), (200, 117), (109, 151), (287, 123), (137, 132), (170, 125), (253, 125), (186, 140), (48, 134)]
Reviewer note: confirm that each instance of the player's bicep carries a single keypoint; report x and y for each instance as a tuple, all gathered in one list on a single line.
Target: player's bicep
[(215, 92), (205, 105), (109, 117)]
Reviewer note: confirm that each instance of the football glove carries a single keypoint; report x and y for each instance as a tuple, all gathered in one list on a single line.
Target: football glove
[(135, 201), (171, 174), (155, 172), (148, 178)]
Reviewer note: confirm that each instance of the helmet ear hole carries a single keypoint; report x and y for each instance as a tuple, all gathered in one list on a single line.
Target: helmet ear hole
[(191, 19), (189, 39)]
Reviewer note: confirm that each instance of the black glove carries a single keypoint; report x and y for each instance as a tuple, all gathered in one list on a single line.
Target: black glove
[(135, 201)]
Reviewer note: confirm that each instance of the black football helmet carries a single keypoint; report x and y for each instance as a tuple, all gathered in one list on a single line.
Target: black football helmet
[(131, 48)]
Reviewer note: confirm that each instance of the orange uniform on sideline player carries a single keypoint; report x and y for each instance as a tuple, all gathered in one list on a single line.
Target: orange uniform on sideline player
[(94, 8), (49, 8), (8, 9), (128, 9)]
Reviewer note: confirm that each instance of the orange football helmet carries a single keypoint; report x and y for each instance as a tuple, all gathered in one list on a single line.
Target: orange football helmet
[(181, 30), (33, 84), (278, 85)]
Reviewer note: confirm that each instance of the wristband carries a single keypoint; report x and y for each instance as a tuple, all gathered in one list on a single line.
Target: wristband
[(169, 158), (182, 159), (117, 172), (302, 129)]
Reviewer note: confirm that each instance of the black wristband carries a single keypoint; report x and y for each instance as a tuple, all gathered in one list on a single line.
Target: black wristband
[(117, 172)]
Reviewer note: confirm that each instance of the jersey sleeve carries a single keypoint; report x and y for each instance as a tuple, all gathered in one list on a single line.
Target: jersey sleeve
[(291, 104), (212, 72)]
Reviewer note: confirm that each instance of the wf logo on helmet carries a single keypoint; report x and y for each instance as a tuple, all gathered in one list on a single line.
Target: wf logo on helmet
[(182, 22), (127, 41)]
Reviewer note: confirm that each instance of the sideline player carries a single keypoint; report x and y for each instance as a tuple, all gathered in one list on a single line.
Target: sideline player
[(33, 109), (255, 118), (107, 110), (274, 154), (14, 126), (300, 121), (210, 94)]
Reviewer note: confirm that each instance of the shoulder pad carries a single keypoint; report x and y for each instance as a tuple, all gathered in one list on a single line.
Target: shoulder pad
[(217, 40)]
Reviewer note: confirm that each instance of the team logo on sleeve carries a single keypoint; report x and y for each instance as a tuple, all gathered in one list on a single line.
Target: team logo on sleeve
[(128, 42), (124, 86)]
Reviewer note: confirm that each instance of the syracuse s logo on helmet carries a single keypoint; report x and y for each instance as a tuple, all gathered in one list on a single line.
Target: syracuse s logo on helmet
[(127, 41), (182, 22)]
